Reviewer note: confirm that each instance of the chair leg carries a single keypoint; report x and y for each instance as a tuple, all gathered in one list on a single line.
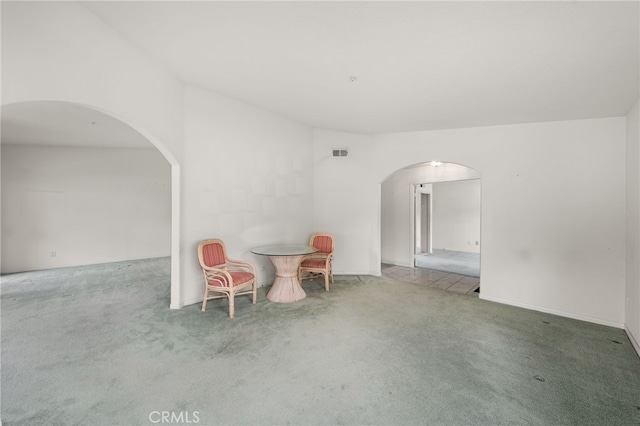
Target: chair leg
[(204, 302), (255, 291), (326, 281), (231, 305)]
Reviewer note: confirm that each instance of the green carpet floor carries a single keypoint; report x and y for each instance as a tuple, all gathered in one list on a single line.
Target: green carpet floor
[(455, 262), (97, 345)]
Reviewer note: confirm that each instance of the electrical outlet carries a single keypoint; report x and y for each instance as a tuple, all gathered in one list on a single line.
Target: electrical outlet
[(53, 254)]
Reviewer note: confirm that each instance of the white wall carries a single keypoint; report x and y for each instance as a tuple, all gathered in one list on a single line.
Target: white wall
[(456, 216), (553, 208), (88, 205), (632, 318), (396, 219), (59, 51), (247, 180), (397, 207), (345, 193)]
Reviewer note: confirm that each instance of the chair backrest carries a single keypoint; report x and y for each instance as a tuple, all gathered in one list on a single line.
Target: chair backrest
[(212, 253), (323, 242)]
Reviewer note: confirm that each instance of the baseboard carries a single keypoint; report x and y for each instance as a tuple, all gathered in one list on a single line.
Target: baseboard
[(633, 340), (335, 274), (396, 263), (554, 312), (192, 301)]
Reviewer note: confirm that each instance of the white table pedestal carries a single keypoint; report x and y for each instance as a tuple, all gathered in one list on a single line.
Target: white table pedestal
[(286, 288), (286, 258)]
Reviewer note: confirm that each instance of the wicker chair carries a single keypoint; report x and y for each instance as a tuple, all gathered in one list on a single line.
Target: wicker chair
[(318, 263), (224, 277)]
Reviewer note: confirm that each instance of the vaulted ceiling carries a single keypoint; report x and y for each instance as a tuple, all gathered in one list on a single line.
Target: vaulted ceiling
[(375, 67)]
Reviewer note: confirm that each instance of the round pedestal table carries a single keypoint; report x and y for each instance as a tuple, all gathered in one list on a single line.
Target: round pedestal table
[(286, 259)]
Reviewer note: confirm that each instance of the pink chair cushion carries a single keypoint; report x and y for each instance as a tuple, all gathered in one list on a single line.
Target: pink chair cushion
[(213, 254), (324, 244), (238, 277), (314, 263)]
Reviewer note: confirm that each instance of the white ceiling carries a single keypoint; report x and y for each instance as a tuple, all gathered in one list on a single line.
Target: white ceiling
[(64, 124), (419, 65)]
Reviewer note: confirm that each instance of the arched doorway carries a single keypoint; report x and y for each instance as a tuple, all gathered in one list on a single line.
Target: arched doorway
[(430, 219), (88, 138)]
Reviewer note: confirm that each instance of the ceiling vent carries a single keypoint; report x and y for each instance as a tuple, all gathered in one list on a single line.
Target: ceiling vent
[(340, 153)]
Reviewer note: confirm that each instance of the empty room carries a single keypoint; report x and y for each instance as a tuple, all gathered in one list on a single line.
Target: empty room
[(222, 213)]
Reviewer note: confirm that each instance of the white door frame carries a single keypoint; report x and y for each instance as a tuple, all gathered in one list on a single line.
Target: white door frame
[(419, 191)]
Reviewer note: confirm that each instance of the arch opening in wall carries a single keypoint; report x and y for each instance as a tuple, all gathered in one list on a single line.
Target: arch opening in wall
[(81, 186), (431, 225)]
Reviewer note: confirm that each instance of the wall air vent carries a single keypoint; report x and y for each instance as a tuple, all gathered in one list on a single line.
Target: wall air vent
[(340, 153)]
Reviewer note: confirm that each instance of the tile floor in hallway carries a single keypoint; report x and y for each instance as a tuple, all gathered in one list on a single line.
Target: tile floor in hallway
[(432, 278)]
